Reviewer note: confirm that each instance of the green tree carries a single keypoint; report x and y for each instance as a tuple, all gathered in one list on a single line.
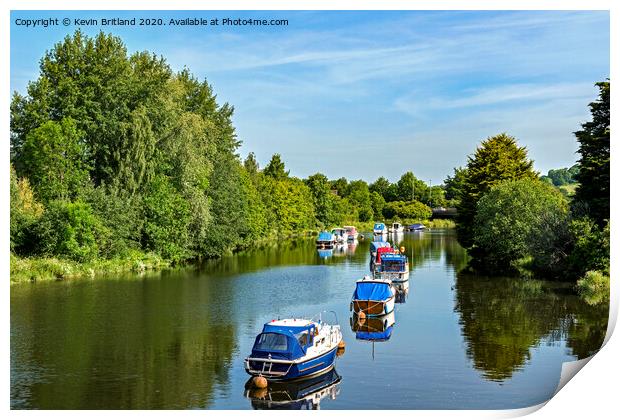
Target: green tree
[(378, 204), (275, 168), (340, 186), (496, 160), (509, 216), (323, 199), (25, 212), (453, 185), (167, 217), (251, 164), (412, 210), (384, 188), (411, 188), (593, 177), (53, 158), (358, 195)]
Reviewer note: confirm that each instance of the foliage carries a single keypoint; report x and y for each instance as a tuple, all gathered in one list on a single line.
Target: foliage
[(275, 168), (53, 158), (407, 210), (508, 217), (593, 177), (358, 196), (378, 204), (454, 184), (563, 176), (167, 217), (325, 203), (594, 287), (70, 230), (25, 212), (496, 160)]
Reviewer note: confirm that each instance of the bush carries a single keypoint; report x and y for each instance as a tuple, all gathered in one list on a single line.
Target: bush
[(594, 287), (25, 212), (508, 219), (407, 210), (70, 230)]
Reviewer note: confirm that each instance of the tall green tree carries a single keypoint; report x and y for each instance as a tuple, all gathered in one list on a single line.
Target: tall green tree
[(358, 195), (594, 144), (497, 159), (275, 168), (453, 185)]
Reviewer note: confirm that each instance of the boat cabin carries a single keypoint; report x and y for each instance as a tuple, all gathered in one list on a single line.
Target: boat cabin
[(286, 339)]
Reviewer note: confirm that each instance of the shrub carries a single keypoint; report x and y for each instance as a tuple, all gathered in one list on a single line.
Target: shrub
[(407, 210), (594, 287)]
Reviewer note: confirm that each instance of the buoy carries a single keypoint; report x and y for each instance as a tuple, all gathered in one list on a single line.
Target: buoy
[(259, 382), (341, 344), (402, 249), (361, 315), (258, 393)]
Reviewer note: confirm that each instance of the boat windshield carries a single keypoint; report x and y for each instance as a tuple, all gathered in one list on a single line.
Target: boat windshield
[(271, 341)]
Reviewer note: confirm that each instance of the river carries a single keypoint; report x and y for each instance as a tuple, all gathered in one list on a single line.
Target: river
[(177, 339)]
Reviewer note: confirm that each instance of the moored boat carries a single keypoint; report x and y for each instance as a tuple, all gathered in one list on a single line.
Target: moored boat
[(378, 248), (416, 227), (392, 266), (373, 297), (379, 229), (293, 348), (340, 234), (325, 240), (351, 233), (396, 228)]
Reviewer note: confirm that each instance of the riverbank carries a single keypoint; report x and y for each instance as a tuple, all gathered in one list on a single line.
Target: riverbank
[(36, 269), (432, 224)]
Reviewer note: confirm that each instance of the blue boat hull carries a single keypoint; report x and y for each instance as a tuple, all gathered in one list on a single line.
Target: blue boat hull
[(293, 371)]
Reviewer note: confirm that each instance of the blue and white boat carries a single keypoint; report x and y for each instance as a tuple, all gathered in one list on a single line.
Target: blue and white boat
[(416, 227), (379, 229), (304, 394), (326, 240), (340, 235), (374, 297), (394, 266), (289, 349)]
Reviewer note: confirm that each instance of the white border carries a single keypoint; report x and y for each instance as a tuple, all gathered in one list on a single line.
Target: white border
[(592, 395)]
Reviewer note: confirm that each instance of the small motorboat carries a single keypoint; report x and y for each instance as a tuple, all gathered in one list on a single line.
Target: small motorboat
[(325, 240), (373, 297), (392, 266), (379, 229), (351, 233), (378, 248), (293, 348), (340, 235), (396, 228), (416, 227), (302, 394)]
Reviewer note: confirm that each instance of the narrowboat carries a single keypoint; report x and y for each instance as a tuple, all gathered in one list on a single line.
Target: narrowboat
[(304, 394), (396, 228), (340, 235), (289, 349), (351, 233), (392, 266), (379, 229), (325, 240), (373, 297)]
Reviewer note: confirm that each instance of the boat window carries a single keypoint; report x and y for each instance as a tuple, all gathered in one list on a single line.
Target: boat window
[(303, 339), (271, 341)]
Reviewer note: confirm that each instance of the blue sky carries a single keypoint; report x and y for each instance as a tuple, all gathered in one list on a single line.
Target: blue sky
[(369, 94)]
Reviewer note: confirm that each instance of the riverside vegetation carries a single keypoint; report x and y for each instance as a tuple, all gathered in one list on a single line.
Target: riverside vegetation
[(119, 163)]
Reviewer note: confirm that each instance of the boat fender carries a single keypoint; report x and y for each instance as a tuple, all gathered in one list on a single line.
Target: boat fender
[(340, 350), (259, 382)]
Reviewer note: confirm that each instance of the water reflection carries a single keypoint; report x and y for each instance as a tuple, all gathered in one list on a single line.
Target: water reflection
[(502, 319), (305, 394)]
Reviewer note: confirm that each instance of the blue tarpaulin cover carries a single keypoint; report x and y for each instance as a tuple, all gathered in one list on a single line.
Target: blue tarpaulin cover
[(375, 335), (369, 290), (379, 226), (325, 236)]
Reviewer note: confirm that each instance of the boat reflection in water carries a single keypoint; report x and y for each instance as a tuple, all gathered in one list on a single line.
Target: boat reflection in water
[(402, 291), (373, 329), (325, 253), (305, 394)]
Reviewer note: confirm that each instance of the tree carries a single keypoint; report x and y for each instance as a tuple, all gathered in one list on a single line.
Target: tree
[(382, 187), (509, 216), (359, 196), (251, 164), (594, 144), (275, 168), (53, 158), (453, 185), (412, 210), (378, 204), (25, 212), (496, 160), (323, 199), (410, 188), (340, 185)]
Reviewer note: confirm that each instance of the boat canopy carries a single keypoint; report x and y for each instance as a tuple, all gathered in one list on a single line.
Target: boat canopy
[(372, 290), (417, 226), (374, 246), (286, 342), (325, 236), (379, 226), (383, 251), (393, 262)]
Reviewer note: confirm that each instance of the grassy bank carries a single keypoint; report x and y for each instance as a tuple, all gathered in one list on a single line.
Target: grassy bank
[(433, 224), (45, 269)]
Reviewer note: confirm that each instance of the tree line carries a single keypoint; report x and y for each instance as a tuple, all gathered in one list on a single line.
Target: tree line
[(512, 220), (115, 153)]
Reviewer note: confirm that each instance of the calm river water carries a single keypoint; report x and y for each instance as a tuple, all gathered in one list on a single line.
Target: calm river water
[(177, 339)]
